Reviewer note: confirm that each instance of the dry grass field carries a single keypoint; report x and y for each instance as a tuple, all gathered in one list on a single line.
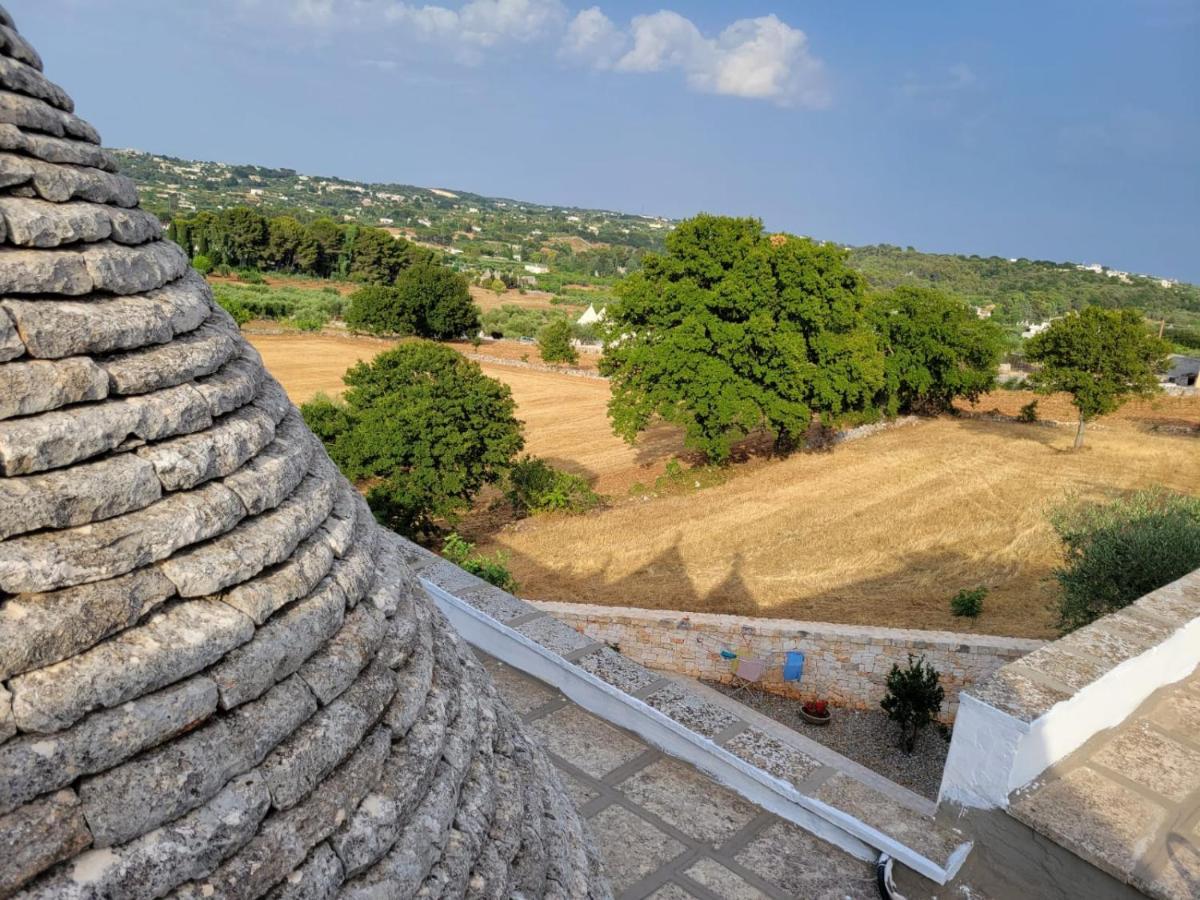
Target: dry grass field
[(564, 415), (880, 531)]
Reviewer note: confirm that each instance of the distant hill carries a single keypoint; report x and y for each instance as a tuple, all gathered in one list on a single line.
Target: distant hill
[(505, 235)]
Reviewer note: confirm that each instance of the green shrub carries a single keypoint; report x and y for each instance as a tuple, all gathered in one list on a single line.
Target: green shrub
[(378, 309), (554, 342), (1118, 551), (202, 264), (968, 602), (914, 697), (425, 428), (1029, 412), (493, 570), (308, 320), (535, 486), (251, 276), (239, 311)]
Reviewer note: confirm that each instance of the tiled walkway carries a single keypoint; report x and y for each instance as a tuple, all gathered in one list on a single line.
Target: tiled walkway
[(814, 771), (1128, 801), (665, 830)]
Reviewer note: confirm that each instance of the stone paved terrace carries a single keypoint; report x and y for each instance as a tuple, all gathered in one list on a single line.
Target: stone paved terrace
[(813, 770), (666, 831), (1128, 801)]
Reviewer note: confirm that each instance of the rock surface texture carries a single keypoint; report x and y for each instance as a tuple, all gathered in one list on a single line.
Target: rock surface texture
[(218, 677)]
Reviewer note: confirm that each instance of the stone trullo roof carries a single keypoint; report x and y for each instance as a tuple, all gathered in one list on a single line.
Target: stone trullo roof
[(217, 676)]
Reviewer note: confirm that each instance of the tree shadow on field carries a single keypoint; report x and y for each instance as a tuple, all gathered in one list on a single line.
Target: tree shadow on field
[(664, 583), (1053, 437)]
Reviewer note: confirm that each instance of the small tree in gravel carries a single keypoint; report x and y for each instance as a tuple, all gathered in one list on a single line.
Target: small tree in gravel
[(914, 697)]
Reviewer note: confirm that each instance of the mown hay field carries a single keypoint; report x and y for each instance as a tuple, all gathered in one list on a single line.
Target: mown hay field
[(881, 531)]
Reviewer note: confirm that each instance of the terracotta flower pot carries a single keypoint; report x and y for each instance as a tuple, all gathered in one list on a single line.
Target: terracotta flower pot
[(817, 716)]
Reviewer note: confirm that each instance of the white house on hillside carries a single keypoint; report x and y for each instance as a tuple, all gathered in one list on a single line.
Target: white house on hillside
[(591, 316)]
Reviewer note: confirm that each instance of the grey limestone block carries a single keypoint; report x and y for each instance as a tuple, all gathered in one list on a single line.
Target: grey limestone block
[(334, 667), (355, 572), (42, 271), (61, 437), (412, 767), (192, 355), (166, 413), (51, 329), (33, 764), (8, 724), (39, 385), (259, 542), (234, 384), (12, 44), (24, 79), (39, 834), (285, 838), (39, 223), (263, 595), (153, 864), (38, 630), (176, 642), (131, 270), (59, 183), (320, 878), (188, 771), (56, 149), (280, 646), (274, 472), (11, 345), (84, 493), (183, 462), (29, 112), (302, 761), (49, 560), (412, 687), (338, 529)]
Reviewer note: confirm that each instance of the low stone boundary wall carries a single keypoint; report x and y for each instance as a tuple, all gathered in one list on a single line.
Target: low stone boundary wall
[(845, 664)]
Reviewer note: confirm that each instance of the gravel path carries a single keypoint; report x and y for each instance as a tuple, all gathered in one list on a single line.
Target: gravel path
[(865, 736)]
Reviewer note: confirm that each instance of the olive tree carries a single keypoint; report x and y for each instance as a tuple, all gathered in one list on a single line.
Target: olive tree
[(424, 428), (732, 331)]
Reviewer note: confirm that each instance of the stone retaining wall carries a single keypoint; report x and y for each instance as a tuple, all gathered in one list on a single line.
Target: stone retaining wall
[(845, 664)]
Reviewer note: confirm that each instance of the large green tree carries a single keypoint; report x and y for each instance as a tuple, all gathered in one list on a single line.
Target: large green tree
[(376, 256), (439, 300), (424, 427), (555, 342), (1101, 357), (240, 235), (935, 349), (732, 330)]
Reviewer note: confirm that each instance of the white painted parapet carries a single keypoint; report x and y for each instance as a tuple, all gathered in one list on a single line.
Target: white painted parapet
[(1036, 711)]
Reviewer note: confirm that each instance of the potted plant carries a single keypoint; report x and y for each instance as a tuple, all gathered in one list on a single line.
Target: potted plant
[(815, 712)]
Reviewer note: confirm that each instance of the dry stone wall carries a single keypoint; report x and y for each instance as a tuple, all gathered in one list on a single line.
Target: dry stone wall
[(218, 677), (845, 664)]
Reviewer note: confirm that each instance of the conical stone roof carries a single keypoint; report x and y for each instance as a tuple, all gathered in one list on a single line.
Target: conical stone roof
[(217, 676)]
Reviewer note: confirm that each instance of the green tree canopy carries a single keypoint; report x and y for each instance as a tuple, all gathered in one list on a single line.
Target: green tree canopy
[(380, 309), (1101, 357), (935, 349), (732, 330), (440, 300), (554, 342), (376, 256), (285, 238), (425, 427), (241, 236)]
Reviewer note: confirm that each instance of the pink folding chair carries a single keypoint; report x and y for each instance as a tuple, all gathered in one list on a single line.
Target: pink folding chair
[(748, 673)]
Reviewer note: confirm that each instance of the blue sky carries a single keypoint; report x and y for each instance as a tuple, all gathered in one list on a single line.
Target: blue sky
[(1053, 130)]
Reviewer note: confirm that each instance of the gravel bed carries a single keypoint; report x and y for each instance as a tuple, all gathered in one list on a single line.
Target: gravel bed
[(865, 736)]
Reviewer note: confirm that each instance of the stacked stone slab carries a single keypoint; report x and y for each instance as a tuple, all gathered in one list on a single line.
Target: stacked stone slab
[(218, 678)]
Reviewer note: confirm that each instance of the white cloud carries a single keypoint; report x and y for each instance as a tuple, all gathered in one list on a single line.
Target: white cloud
[(481, 23), (762, 59), (593, 39)]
